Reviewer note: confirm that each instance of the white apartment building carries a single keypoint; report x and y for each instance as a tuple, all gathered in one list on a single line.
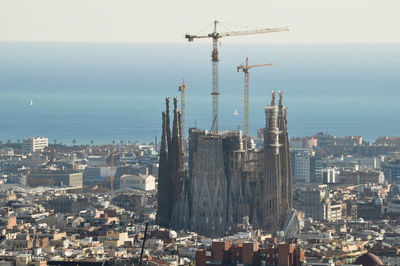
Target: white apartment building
[(142, 182), (302, 164), (330, 175), (34, 144)]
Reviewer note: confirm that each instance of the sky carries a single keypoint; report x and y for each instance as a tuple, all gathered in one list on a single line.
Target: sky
[(166, 21)]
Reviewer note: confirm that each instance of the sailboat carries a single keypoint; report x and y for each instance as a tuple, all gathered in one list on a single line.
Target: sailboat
[(31, 103)]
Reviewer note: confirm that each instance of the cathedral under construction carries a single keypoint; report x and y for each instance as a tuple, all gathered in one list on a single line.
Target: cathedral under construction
[(227, 179)]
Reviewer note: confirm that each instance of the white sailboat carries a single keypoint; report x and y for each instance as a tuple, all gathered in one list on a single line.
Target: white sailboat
[(31, 103)]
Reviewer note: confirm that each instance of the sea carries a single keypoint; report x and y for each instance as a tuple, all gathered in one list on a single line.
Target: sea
[(105, 92)]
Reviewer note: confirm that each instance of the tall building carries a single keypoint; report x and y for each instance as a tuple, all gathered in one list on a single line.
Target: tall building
[(57, 178), (303, 161), (316, 203), (330, 175), (34, 144), (227, 179)]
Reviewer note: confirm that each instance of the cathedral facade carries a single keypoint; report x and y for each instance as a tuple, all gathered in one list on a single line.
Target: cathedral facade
[(227, 178)]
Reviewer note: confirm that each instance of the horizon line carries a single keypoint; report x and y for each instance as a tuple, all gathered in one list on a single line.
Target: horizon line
[(229, 42)]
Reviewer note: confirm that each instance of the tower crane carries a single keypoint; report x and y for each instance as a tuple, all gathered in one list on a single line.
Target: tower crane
[(112, 170), (245, 69), (214, 58), (182, 89)]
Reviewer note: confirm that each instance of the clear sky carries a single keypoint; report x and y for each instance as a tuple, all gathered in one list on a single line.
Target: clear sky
[(310, 21)]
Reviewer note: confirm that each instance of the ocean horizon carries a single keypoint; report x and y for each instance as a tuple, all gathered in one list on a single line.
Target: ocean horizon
[(114, 91)]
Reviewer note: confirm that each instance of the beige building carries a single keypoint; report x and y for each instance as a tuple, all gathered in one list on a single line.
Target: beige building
[(26, 259), (316, 203), (19, 243), (142, 182), (117, 239)]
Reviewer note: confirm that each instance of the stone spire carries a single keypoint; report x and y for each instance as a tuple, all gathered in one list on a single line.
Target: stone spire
[(271, 133), (289, 176), (280, 102), (181, 143), (178, 197), (167, 122), (163, 176), (280, 112), (273, 98), (174, 157), (176, 139), (284, 153), (285, 116), (272, 172)]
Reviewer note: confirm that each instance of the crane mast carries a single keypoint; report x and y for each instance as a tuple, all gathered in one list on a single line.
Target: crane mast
[(245, 69), (182, 89), (112, 170), (215, 92), (214, 58)]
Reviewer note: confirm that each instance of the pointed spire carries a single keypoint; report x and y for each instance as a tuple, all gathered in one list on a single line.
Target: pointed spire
[(167, 122), (280, 112), (273, 98), (181, 143), (175, 104), (174, 158), (176, 139), (163, 172), (164, 140), (285, 115), (167, 105), (175, 126), (176, 130)]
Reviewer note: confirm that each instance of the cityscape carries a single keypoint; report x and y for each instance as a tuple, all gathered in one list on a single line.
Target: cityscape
[(121, 185)]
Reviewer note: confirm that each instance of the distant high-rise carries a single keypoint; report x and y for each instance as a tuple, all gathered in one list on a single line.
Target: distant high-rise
[(34, 144), (227, 179), (303, 162)]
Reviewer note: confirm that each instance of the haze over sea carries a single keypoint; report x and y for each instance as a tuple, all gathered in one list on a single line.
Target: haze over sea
[(106, 92)]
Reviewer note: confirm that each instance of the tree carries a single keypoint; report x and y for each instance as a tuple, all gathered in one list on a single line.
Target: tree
[(91, 142), (55, 141), (74, 142)]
